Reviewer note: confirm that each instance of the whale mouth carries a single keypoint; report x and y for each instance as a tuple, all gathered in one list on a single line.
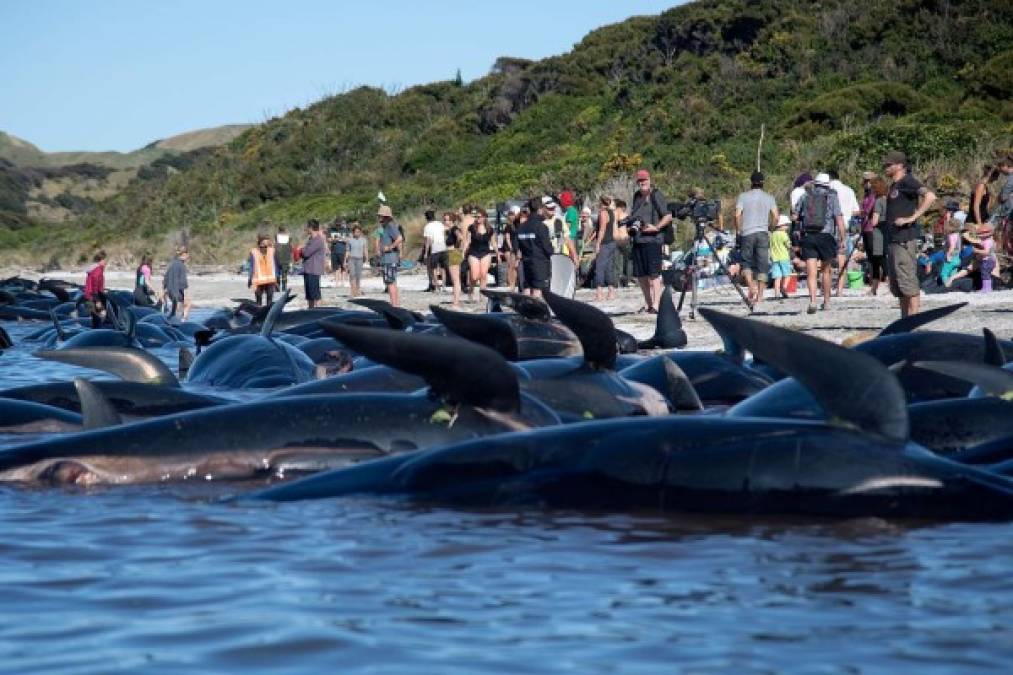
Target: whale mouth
[(892, 483), (277, 463)]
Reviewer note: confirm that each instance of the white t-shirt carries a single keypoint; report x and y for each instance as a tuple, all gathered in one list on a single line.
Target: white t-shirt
[(846, 196), (437, 236), (796, 195)]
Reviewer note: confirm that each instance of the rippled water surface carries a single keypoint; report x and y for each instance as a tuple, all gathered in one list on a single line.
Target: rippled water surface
[(168, 579)]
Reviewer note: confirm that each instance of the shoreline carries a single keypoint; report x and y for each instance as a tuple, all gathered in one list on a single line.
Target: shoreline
[(855, 312)]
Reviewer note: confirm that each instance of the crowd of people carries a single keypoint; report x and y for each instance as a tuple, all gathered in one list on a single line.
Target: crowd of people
[(824, 227)]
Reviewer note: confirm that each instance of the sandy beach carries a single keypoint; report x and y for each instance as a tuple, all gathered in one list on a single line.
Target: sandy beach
[(855, 312)]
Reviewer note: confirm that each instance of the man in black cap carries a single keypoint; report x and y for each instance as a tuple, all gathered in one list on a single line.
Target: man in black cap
[(906, 202), (755, 212)]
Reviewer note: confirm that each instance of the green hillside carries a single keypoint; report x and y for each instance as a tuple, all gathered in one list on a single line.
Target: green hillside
[(835, 83)]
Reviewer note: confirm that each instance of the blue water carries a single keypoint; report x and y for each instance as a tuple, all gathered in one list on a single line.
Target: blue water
[(167, 579)]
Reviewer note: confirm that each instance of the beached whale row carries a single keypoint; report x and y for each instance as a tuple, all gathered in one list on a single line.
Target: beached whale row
[(545, 404)]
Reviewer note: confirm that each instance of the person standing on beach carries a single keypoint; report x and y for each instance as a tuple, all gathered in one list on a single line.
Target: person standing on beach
[(534, 246), (907, 201), (390, 245), (263, 264), (339, 255), (755, 212), (780, 257), (823, 235), (174, 283), (314, 256), (650, 208), (434, 251), (605, 251), (356, 258), (143, 292), (283, 249), (95, 289)]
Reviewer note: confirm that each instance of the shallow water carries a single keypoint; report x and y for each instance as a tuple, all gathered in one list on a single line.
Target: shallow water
[(167, 579)]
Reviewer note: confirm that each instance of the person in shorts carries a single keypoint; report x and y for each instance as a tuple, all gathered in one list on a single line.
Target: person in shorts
[(755, 210), (651, 209), (390, 258), (780, 256), (823, 235), (357, 245), (906, 202)]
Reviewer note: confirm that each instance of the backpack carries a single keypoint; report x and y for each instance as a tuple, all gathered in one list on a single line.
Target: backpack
[(814, 214)]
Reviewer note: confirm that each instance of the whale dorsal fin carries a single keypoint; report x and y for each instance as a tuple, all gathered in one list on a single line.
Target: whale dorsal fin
[(592, 327), (96, 410), (486, 330), (463, 372), (909, 323), (855, 389)]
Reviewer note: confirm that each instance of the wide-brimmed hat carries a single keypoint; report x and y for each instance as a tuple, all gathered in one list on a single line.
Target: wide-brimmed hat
[(822, 179), (971, 236), (385, 212), (984, 230)]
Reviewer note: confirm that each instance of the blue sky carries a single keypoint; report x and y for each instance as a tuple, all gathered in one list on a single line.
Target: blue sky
[(118, 74)]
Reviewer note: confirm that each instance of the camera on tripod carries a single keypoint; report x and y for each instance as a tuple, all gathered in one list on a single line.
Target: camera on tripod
[(699, 210)]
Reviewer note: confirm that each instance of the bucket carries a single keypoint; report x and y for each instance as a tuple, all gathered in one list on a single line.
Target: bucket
[(856, 279), (791, 283)]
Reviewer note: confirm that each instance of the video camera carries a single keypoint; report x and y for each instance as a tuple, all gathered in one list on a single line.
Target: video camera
[(700, 210), (632, 225)]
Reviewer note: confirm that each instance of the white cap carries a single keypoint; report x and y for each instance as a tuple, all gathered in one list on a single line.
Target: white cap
[(960, 217), (783, 220), (822, 179), (586, 209), (515, 209)]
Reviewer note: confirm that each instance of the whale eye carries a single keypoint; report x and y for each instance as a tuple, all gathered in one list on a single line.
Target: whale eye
[(65, 472)]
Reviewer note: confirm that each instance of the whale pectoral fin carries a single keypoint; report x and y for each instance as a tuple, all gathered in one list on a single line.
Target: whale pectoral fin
[(993, 380)]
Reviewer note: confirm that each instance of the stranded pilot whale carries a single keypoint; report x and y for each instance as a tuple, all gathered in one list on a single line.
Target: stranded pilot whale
[(862, 465)]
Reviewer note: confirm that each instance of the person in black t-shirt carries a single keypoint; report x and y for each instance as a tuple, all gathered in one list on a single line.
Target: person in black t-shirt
[(535, 250), (906, 202)]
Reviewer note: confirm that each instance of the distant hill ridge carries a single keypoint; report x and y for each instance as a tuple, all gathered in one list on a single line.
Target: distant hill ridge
[(835, 84), (24, 154)]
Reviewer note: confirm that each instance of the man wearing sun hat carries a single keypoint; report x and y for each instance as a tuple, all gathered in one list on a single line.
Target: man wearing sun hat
[(390, 258), (906, 202)]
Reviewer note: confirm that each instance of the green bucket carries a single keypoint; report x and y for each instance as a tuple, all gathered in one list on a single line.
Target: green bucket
[(856, 279)]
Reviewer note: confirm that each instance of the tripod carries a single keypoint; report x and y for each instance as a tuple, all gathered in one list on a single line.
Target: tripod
[(691, 278)]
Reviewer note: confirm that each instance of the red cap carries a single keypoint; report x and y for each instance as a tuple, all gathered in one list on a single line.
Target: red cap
[(643, 175), (566, 199)]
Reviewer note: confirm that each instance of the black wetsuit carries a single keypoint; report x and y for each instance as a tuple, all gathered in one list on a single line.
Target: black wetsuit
[(535, 247)]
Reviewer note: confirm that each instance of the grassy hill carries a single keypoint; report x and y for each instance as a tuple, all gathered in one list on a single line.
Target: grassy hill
[(61, 186), (834, 83)]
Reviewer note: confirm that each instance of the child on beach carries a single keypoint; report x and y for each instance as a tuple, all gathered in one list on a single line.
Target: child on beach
[(780, 256)]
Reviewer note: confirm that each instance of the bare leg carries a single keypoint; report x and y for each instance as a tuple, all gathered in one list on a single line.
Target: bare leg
[(811, 275), (827, 270), (455, 281)]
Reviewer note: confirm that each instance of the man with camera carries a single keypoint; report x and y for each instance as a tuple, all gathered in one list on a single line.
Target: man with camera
[(648, 218), (755, 212)]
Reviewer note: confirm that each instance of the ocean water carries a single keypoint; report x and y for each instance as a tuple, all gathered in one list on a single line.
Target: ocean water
[(167, 578)]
